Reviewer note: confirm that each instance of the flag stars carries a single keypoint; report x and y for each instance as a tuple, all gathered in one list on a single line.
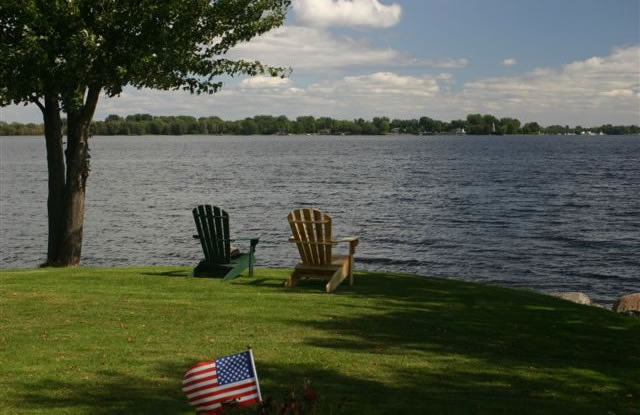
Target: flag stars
[(234, 368)]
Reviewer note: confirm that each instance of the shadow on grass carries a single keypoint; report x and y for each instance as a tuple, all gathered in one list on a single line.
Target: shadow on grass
[(588, 356), (456, 348), (550, 353), (174, 273), (258, 281), (108, 393), (414, 391)]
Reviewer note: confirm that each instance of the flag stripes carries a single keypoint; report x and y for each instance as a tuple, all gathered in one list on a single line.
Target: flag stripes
[(230, 380), (222, 396), (222, 389)]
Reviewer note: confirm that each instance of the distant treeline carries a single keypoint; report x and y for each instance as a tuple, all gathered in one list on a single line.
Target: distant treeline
[(474, 124)]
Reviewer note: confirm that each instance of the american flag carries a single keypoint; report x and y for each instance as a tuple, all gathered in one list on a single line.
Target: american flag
[(229, 380)]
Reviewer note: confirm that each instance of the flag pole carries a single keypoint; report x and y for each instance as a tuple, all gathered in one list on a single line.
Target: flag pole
[(255, 372)]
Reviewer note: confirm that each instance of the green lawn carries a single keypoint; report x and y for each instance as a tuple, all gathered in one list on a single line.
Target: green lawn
[(118, 340)]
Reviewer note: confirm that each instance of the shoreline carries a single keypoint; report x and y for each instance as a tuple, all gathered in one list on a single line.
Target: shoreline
[(576, 297)]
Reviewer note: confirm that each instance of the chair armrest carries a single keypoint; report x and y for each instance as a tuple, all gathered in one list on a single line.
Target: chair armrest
[(232, 239), (348, 239), (253, 240), (353, 242), (246, 238)]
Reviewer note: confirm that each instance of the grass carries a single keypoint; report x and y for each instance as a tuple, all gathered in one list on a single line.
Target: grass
[(103, 341)]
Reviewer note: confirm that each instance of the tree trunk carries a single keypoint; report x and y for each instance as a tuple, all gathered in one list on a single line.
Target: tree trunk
[(56, 169), (67, 185)]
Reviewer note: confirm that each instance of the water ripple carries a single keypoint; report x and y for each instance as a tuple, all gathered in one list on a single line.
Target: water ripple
[(547, 213)]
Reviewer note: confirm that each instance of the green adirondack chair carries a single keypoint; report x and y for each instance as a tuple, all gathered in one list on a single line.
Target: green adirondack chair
[(220, 261)]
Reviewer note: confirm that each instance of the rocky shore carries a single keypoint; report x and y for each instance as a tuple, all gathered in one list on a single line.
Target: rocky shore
[(627, 304)]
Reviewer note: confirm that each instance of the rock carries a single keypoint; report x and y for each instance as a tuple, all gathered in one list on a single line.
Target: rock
[(628, 304), (575, 296)]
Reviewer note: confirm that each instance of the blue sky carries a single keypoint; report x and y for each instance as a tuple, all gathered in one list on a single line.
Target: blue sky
[(573, 62), (537, 33)]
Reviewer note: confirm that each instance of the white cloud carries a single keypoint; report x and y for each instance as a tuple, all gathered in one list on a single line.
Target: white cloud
[(446, 77), (368, 13), (380, 93), (618, 93), (510, 62), (592, 91), (316, 49), (379, 84), (264, 82), (588, 92), (305, 48)]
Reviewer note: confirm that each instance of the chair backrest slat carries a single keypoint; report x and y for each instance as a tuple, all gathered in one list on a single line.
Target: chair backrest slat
[(199, 218), (329, 238), (227, 236), (310, 235), (319, 236), (297, 230), (311, 230), (211, 233), (212, 224)]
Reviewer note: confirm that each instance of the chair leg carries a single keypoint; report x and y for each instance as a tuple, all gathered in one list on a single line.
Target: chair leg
[(252, 256), (352, 252), (335, 280), (293, 279)]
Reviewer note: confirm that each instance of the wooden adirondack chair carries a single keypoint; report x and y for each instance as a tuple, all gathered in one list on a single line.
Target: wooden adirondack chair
[(311, 232), (219, 260)]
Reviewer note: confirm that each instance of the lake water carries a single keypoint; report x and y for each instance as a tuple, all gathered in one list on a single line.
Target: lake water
[(549, 213)]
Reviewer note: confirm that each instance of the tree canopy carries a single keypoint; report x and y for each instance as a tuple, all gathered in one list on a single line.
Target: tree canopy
[(65, 46), (62, 54)]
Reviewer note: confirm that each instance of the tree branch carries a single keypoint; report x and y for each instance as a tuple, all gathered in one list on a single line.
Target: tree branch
[(91, 102), (38, 103)]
